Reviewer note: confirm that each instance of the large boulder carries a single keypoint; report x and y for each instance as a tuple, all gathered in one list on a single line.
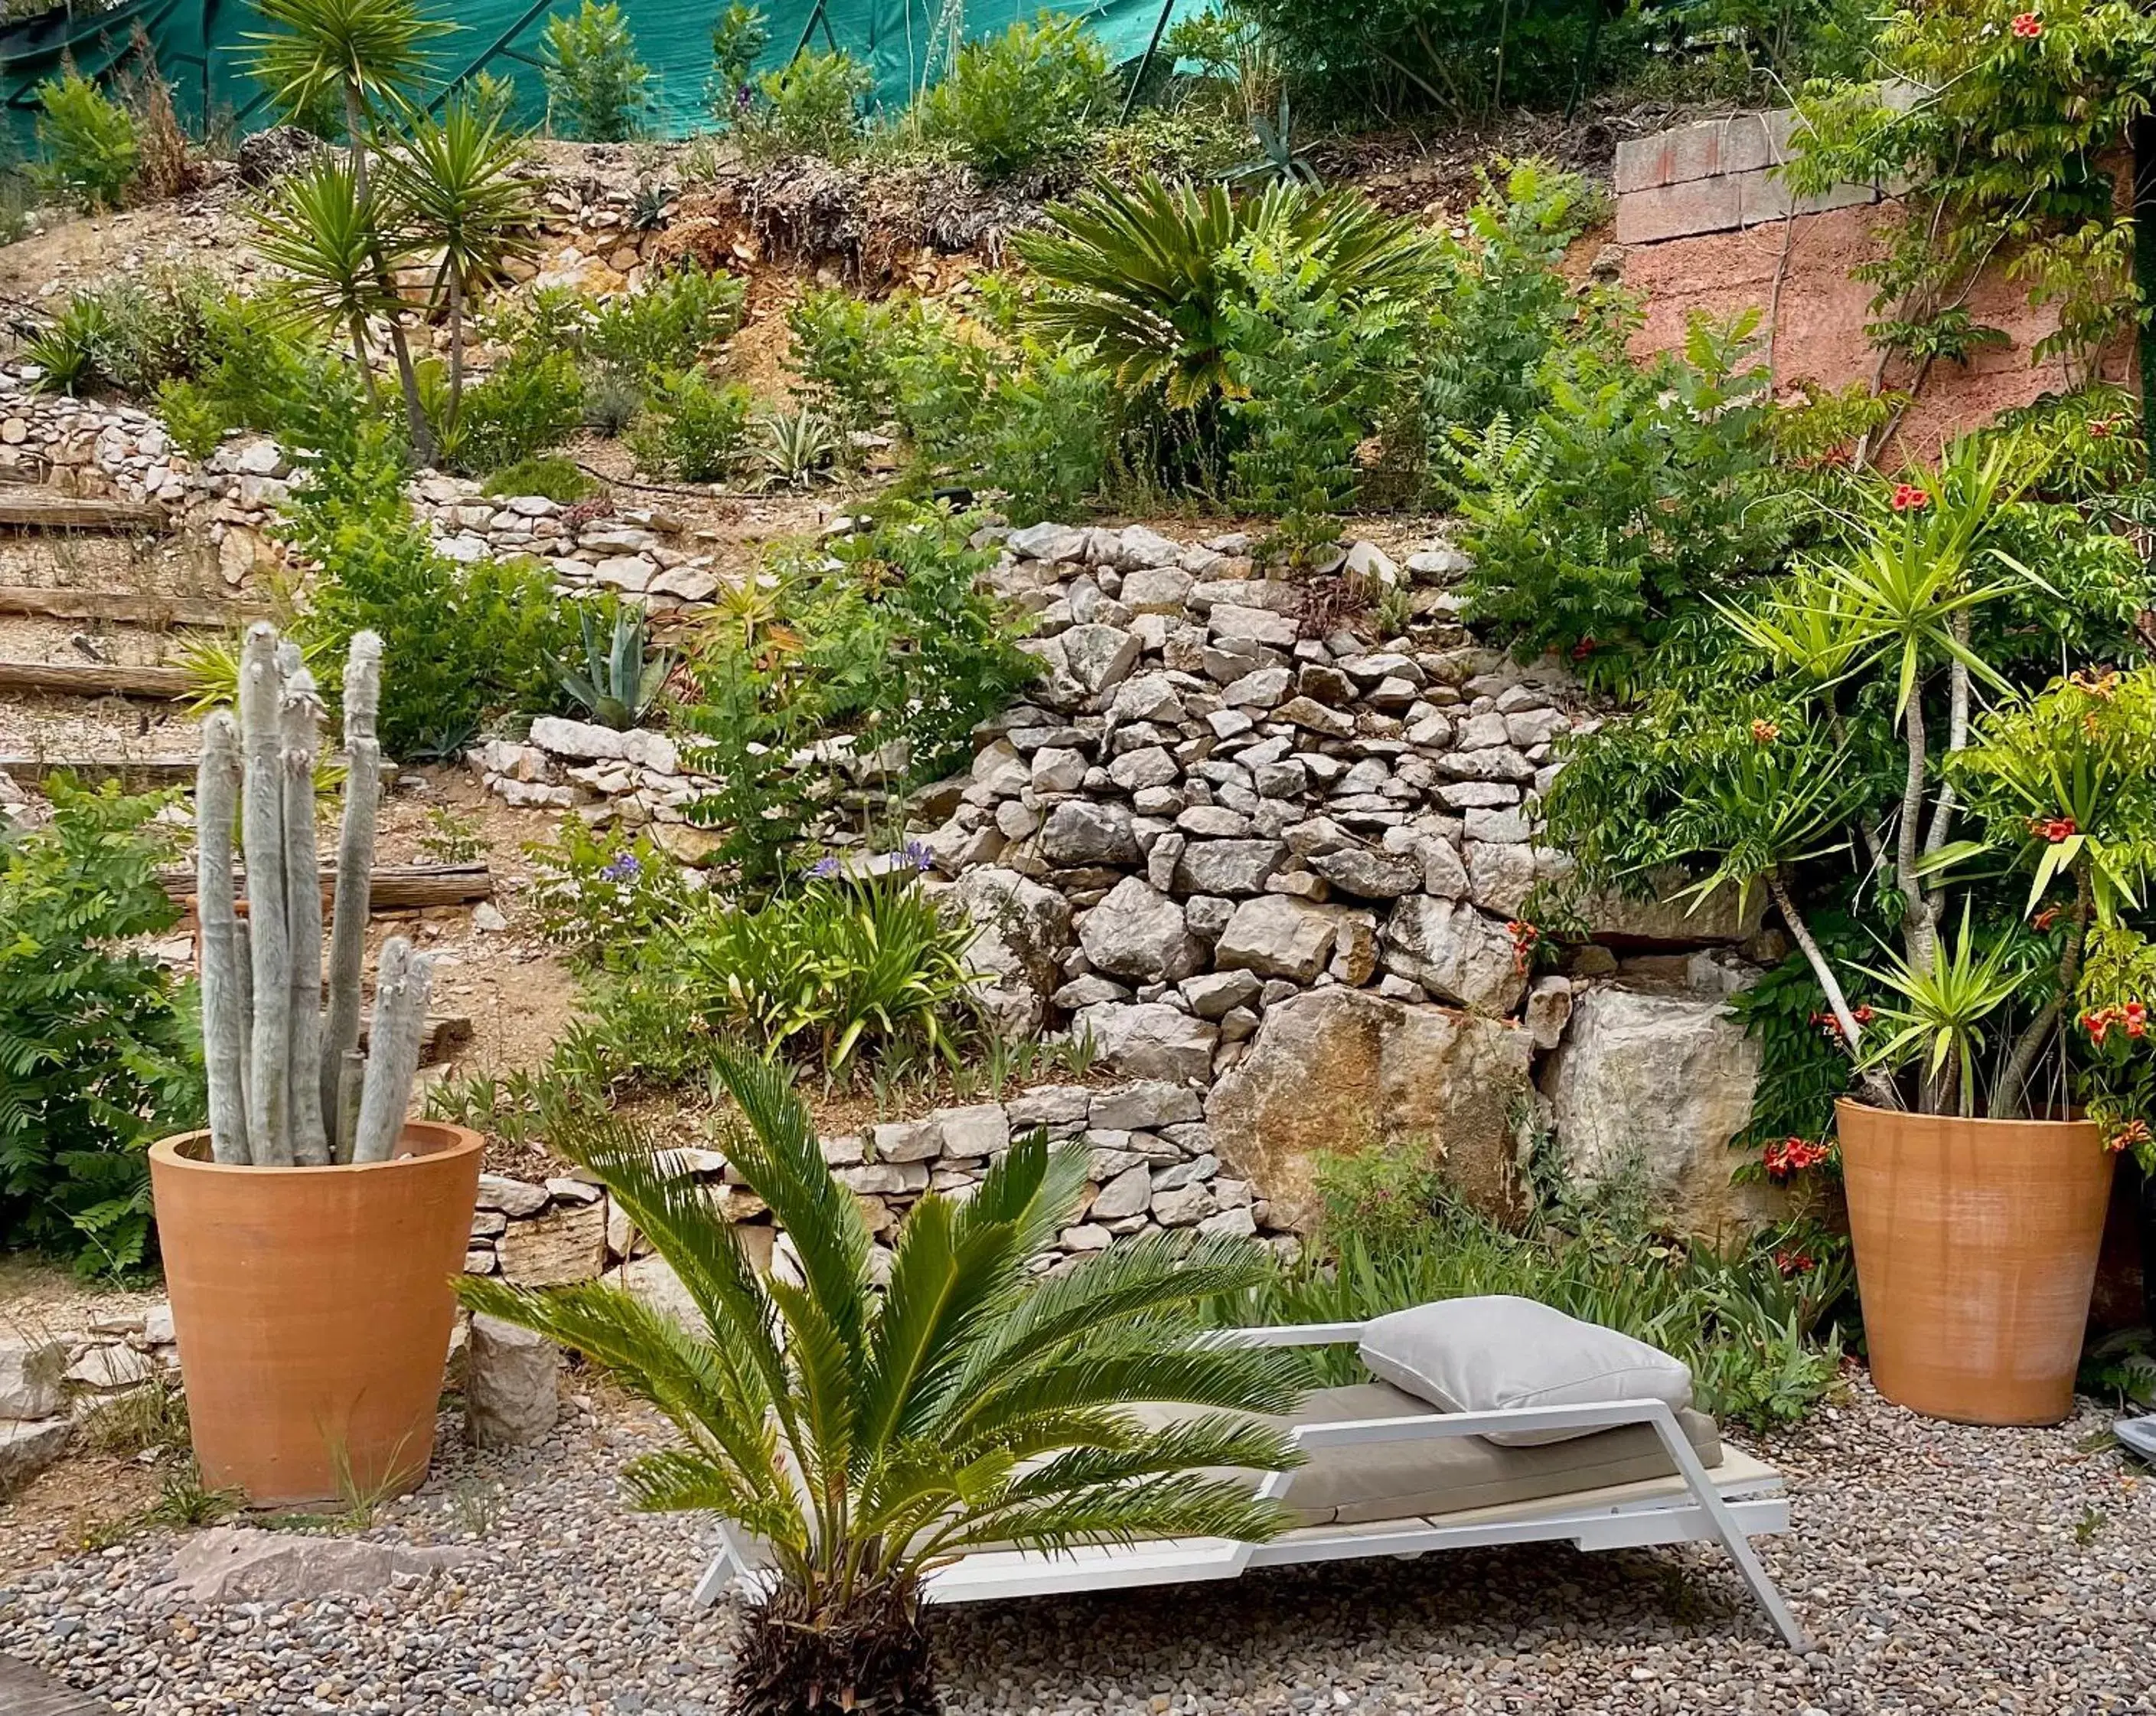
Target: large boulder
[(1339, 1071), (1148, 1039), (1658, 1085), (1021, 930), (1138, 932), (1456, 953)]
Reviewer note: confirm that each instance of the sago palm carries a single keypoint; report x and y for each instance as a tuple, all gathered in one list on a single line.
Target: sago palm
[(457, 193), (1144, 274), (870, 1437)]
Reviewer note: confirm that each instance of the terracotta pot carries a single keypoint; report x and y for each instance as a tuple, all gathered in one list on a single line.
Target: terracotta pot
[(313, 1308), (1976, 1248)]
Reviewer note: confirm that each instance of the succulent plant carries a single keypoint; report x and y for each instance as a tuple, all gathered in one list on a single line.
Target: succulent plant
[(288, 1084)]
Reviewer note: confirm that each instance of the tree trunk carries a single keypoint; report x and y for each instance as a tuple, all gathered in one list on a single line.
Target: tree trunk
[(1878, 1089), (408, 378), (224, 1019), (456, 343), (2010, 1098), (872, 1657), (2141, 136)]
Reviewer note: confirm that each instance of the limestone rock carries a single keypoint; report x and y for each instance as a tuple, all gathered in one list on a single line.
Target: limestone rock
[(1148, 1106), (1368, 875), (512, 1197), (238, 1564), (1663, 1082), (29, 1445), (1138, 932), (1149, 1039), (512, 1384), (652, 1279), (1615, 917), (1080, 832), (563, 1246), (1455, 952), (1229, 867), (1127, 1194), (1021, 929), (30, 1373), (1277, 936), (1344, 1071)]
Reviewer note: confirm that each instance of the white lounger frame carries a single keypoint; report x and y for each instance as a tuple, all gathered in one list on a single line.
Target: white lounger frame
[(1628, 1516)]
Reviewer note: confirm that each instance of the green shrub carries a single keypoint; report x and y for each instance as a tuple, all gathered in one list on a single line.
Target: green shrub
[(1024, 96), (810, 107), (739, 36), (88, 142), (603, 894), (560, 479), (692, 427), (134, 332), (66, 352), (99, 1053), (526, 405), (1504, 304), (846, 352), (675, 320), (1309, 379), (594, 80), (884, 635), (463, 642), (1637, 492)]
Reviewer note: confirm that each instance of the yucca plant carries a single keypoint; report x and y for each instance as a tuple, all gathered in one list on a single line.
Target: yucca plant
[(1144, 275), (1939, 1027), (323, 227), (457, 196), (870, 1437), (618, 683)]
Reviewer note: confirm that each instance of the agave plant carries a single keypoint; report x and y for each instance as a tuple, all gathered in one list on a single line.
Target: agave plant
[(66, 352), (870, 1437), (618, 686), (1144, 275), (795, 448), (1278, 157)]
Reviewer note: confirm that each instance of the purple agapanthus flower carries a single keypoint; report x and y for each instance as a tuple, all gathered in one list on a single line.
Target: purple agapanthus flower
[(625, 867), (824, 868), (918, 855)]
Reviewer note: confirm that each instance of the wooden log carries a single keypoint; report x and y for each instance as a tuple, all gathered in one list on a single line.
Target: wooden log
[(96, 679), (128, 607), (391, 887), (137, 773), (42, 509), (442, 1035)]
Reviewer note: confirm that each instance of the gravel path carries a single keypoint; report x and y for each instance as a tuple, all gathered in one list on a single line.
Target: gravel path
[(1943, 1569)]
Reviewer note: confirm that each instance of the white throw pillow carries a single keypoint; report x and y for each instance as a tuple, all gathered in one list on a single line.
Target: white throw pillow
[(1486, 1354)]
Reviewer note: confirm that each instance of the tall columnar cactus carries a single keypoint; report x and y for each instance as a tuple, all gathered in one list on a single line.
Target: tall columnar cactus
[(288, 1084)]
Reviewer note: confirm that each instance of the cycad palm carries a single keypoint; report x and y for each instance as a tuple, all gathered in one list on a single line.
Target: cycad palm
[(871, 1437), (1144, 273), (457, 192)]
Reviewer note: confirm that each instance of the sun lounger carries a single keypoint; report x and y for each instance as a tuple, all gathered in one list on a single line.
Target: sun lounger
[(1388, 1474)]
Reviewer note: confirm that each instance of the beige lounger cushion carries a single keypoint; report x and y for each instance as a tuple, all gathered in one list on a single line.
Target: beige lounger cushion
[(1488, 1353), (1354, 1485)]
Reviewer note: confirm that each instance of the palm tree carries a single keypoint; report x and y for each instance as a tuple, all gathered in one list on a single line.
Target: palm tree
[(871, 1437), (361, 54), (457, 192), (322, 228)]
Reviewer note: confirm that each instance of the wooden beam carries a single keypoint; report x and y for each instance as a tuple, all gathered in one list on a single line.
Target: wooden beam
[(41, 603), (136, 773), (440, 1038), (41, 508), (96, 679), (390, 887)]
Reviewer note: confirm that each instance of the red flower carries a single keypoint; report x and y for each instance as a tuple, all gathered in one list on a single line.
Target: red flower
[(2027, 26), (2134, 1132), (2099, 428), (2135, 1017), (1908, 497), (1584, 649), (1792, 1261), (2045, 919), (2054, 828), (1764, 732), (1863, 1014), (1524, 936), (2097, 1024), (1793, 1155)]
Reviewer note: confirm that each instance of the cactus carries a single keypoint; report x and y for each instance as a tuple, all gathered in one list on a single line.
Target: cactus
[(288, 1084)]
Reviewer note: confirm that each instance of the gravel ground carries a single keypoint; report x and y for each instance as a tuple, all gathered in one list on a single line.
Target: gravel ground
[(1943, 1569)]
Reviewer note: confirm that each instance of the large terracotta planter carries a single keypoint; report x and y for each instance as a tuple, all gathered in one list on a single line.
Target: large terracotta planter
[(1976, 1250), (313, 1308)]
